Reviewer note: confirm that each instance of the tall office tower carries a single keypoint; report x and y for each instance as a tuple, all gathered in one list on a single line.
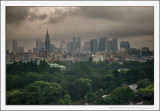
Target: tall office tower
[(110, 45), (47, 43), (74, 43), (94, 45), (124, 46), (34, 50), (52, 48), (78, 43), (86, 45), (114, 41), (63, 46), (14, 45), (38, 45), (103, 44), (70, 46)]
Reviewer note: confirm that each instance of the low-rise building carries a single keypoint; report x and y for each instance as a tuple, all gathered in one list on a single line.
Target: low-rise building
[(62, 67), (98, 57), (58, 56)]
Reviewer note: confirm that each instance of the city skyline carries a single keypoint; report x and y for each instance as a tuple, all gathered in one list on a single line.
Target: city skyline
[(63, 23)]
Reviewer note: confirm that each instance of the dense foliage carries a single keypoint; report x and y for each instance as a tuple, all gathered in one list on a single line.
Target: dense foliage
[(80, 83)]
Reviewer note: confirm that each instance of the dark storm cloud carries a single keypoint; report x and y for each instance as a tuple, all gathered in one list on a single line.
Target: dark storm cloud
[(60, 15), (131, 21), (132, 29), (127, 14), (15, 15), (34, 16)]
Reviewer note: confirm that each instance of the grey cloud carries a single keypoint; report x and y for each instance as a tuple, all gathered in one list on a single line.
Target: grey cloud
[(126, 14), (131, 21), (60, 15), (15, 14), (133, 29), (34, 16)]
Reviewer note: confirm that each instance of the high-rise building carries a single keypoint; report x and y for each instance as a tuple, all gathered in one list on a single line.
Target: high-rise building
[(114, 41), (47, 42), (86, 45), (124, 46), (103, 44), (110, 45), (70, 46), (34, 50), (94, 45), (78, 43), (20, 49), (52, 48), (63, 46), (38, 45), (14, 45), (74, 43)]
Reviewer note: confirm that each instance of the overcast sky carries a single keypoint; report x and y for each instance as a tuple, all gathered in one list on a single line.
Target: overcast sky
[(135, 24)]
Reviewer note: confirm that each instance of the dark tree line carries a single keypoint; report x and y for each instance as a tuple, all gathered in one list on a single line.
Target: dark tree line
[(30, 66)]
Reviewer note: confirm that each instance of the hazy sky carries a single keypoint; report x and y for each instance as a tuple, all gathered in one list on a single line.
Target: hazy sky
[(135, 24)]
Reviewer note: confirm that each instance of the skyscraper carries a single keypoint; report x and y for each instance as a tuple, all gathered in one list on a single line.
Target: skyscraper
[(124, 46), (38, 45), (94, 45), (47, 42), (52, 48), (78, 43), (86, 45), (63, 46), (14, 45), (114, 41), (74, 43), (70, 46), (103, 44), (110, 45)]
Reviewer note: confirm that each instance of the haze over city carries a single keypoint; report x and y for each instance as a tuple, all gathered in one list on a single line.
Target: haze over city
[(133, 24)]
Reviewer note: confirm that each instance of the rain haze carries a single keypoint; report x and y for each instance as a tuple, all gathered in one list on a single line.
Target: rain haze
[(133, 24)]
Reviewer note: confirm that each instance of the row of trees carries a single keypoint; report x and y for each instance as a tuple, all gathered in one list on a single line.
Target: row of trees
[(31, 66)]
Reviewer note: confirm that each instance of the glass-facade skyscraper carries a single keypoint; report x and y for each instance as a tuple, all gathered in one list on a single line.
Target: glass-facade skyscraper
[(103, 44), (94, 45), (114, 41)]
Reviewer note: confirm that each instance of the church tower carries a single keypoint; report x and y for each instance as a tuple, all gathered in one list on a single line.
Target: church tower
[(47, 42)]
